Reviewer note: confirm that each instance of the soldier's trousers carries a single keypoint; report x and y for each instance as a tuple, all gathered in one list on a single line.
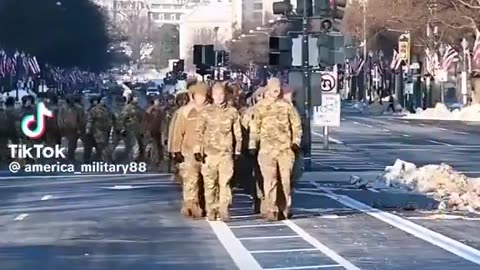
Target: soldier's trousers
[(157, 143), (217, 173), (191, 178), (270, 165), (72, 142)]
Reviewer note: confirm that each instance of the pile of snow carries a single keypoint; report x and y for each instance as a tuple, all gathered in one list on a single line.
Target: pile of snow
[(454, 190), (442, 112), (377, 108)]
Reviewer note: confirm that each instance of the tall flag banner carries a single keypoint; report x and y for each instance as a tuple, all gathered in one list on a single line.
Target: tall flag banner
[(476, 53), (396, 61), (450, 55)]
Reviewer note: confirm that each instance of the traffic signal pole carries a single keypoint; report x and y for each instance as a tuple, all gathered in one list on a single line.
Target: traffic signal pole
[(307, 133)]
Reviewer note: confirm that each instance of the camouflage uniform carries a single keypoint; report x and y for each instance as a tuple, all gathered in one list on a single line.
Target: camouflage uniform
[(182, 140), (155, 116), (219, 131), (132, 121), (71, 122), (99, 124), (276, 127), (52, 133)]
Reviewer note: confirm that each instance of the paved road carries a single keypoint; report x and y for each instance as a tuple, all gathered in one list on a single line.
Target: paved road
[(133, 221)]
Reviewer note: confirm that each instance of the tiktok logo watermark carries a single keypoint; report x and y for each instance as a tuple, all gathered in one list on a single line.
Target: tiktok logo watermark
[(38, 119)]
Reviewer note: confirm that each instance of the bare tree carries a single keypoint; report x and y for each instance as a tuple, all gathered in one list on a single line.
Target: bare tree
[(166, 40)]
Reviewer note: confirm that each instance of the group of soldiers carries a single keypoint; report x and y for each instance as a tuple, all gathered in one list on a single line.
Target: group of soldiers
[(218, 140), (209, 135)]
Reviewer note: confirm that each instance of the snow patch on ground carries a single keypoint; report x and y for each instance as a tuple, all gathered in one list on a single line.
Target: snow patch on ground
[(442, 112), (454, 190)]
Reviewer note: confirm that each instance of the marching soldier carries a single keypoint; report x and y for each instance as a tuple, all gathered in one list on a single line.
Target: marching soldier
[(154, 118), (276, 128), (219, 143), (182, 141), (255, 187), (99, 124), (71, 122), (132, 121)]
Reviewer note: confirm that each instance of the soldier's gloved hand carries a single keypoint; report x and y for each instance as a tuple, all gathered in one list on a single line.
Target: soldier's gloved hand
[(178, 157), (236, 156), (252, 152), (198, 157), (295, 148), (165, 142)]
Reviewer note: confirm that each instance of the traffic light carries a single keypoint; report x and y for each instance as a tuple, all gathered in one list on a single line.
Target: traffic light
[(203, 55), (280, 53), (322, 7), (301, 5), (338, 11), (282, 8), (222, 58), (178, 66), (331, 49)]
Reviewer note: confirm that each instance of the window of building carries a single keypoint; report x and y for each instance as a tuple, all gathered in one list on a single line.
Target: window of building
[(172, 17), (258, 15), (156, 6), (257, 6), (155, 16), (161, 17), (178, 16)]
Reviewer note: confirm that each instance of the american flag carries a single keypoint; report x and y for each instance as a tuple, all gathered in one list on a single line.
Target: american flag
[(450, 55), (431, 59), (395, 64), (3, 63), (33, 65), (476, 52), (357, 65)]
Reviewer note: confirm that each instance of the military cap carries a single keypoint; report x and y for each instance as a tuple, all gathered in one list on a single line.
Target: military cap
[(10, 101), (199, 89)]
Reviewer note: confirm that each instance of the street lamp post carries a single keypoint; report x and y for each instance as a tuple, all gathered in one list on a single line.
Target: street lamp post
[(464, 71), (441, 51), (364, 6)]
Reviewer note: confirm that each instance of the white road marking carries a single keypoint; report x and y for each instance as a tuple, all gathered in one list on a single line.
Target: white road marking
[(423, 125), (329, 138), (365, 125), (305, 267), (283, 250), (373, 190), (343, 119), (405, 135), (462, 133), (237, 251), (406, 122), (386, 130), (21, 217), (46, 197), (444, 129), (440, 143), (356, 123), (321, 247), (407, 226), (269, 237), (257, 225)]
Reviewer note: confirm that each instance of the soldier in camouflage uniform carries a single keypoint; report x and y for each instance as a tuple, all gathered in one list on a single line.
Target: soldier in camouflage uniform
[(71, 122), (219, 144), (99, 124), (88, 140), (132, 121), (252, 169), (276, 128), (52, 133), (182, 140), (154, 119)]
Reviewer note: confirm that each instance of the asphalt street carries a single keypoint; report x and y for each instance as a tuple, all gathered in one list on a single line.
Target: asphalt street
[(133, 221)]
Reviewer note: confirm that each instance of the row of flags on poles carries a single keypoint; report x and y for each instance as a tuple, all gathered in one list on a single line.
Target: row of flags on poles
[(20, 65)]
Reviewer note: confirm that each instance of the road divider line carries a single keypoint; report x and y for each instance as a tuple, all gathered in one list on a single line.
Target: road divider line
[(365, 125), (46, 197), (386, 130), (405, 135), (282, 250), (321, 247), (356, 123), (269, 237), (440, 143), (432, 237), (21, 217), (329, 138), (321, 266), (444, 129), (237, 251)]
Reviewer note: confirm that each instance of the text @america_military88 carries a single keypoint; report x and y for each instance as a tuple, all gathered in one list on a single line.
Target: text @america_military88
[(94, 167)]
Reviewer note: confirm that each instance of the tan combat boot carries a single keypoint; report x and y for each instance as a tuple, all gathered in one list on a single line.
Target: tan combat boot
[(187, 209), (224, 215), (197, 211)]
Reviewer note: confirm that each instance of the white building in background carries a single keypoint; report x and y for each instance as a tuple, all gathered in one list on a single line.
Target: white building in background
[(211, 23)]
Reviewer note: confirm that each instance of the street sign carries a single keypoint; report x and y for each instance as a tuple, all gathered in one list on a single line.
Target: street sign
[(328, 115), (409, 88), (328, 81), (404, 47), (441, 75)]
